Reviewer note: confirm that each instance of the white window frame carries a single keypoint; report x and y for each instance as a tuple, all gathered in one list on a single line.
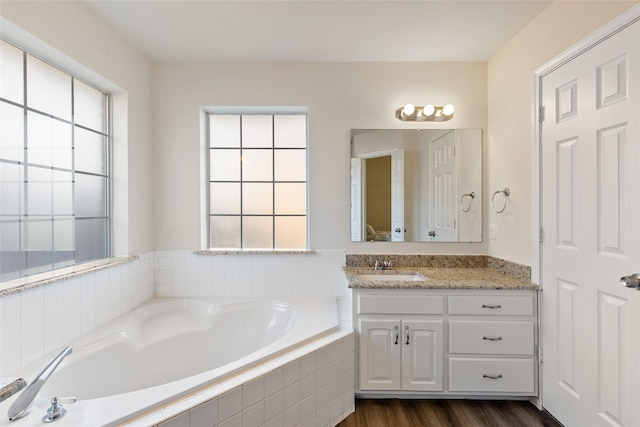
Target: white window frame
[(204, 166)]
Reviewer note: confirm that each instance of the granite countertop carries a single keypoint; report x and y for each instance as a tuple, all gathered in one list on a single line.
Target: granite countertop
[(438, 278)]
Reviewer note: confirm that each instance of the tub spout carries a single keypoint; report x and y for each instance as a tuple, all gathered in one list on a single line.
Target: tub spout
[(22, 405)]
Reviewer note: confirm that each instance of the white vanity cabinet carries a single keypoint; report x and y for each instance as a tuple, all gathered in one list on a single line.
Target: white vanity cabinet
[(446, 341), (401, 341)]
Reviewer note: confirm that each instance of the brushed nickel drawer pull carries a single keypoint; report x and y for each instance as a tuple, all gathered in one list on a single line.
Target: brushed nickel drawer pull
[(491, 306), (492, 338), (492, 377)]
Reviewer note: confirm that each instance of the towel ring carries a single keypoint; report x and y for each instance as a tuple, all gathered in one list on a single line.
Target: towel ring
[(471, 196), (505, 193)]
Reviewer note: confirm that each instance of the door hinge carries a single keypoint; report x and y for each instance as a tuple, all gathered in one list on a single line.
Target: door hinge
[(540, 234), (540, 354), (540, 114)]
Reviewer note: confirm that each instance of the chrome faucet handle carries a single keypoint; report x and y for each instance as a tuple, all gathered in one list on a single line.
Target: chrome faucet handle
[(22, 405), (56, 411)]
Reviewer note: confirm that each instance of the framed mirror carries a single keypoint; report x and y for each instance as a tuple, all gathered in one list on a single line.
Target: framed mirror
[(413, 185)]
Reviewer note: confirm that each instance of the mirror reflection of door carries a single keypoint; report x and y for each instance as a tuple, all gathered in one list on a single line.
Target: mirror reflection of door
[(442, 178), (378, 198), (383, 182)]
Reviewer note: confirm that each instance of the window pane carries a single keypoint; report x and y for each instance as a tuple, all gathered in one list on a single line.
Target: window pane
[(224, 131), (39, 192), (48, 141), (90, 195), (63, 196), (225, 198), (291, 232), (11, 73), (9, 239), (11, 189), (290, 131), (291, 165), (64, 238), (39, 234), (224, 165), (49, 89), (257, 232), (89, 106), (224, 231), (11, 132), (91, 239), (90, 151), (257, 199), (257, 131), (257, 165), (291, 199)]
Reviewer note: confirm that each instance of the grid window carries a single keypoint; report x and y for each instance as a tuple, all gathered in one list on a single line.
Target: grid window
[(257, 181), (54, 163)]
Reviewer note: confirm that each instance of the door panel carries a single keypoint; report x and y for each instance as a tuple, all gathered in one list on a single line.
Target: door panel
[(379, 355), (422, 355), (590, 208)]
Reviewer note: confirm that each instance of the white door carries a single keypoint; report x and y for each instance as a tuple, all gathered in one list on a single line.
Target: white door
[(590, 214), (442, 176), (422, 355), (379, 358), (397, 195)]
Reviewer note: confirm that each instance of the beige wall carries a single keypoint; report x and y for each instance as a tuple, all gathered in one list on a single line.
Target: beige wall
[(70, 36), (510, 72), (340, 96)]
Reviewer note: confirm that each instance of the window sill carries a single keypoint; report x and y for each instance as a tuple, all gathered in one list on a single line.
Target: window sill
[(254, 252), (42, 279)]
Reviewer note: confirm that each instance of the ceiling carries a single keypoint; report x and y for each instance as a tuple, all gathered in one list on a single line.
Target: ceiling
[(326, 30)]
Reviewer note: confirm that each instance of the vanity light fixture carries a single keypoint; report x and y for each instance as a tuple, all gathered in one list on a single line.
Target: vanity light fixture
[(428, 113)]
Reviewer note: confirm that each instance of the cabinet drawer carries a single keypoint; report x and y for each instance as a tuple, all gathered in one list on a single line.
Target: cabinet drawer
[(495, 305), (400, 304), (502, 375), (480, 337)]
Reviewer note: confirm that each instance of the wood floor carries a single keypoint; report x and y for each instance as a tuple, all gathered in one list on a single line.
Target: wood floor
[(446, 413)]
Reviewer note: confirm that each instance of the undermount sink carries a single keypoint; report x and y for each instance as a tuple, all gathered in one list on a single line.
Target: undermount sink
[(400, 277)]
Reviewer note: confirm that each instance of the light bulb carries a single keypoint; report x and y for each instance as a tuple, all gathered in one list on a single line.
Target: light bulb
[(428, 110), (408, 109), (447, 110)]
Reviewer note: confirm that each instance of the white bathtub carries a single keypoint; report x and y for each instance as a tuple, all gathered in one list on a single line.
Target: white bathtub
[(169, 347)]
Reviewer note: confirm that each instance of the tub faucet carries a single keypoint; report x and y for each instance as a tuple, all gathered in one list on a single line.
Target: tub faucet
[(22, 405)]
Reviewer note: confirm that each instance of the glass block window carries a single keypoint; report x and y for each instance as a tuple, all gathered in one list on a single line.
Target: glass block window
[(257, 181), (54, 164)]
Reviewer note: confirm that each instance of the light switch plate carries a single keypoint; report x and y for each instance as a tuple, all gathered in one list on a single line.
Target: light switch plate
[(494, 231)]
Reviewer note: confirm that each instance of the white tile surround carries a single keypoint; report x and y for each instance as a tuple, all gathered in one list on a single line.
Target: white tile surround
[(43, 319), (185, 274), (311, 386), (37, 321)]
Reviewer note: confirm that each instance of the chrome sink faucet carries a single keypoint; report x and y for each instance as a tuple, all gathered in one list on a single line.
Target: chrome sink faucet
[(22, 406), (381, 266)]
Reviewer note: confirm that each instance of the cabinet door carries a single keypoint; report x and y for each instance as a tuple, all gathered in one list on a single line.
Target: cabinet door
[(379, 354), (422, 355)]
